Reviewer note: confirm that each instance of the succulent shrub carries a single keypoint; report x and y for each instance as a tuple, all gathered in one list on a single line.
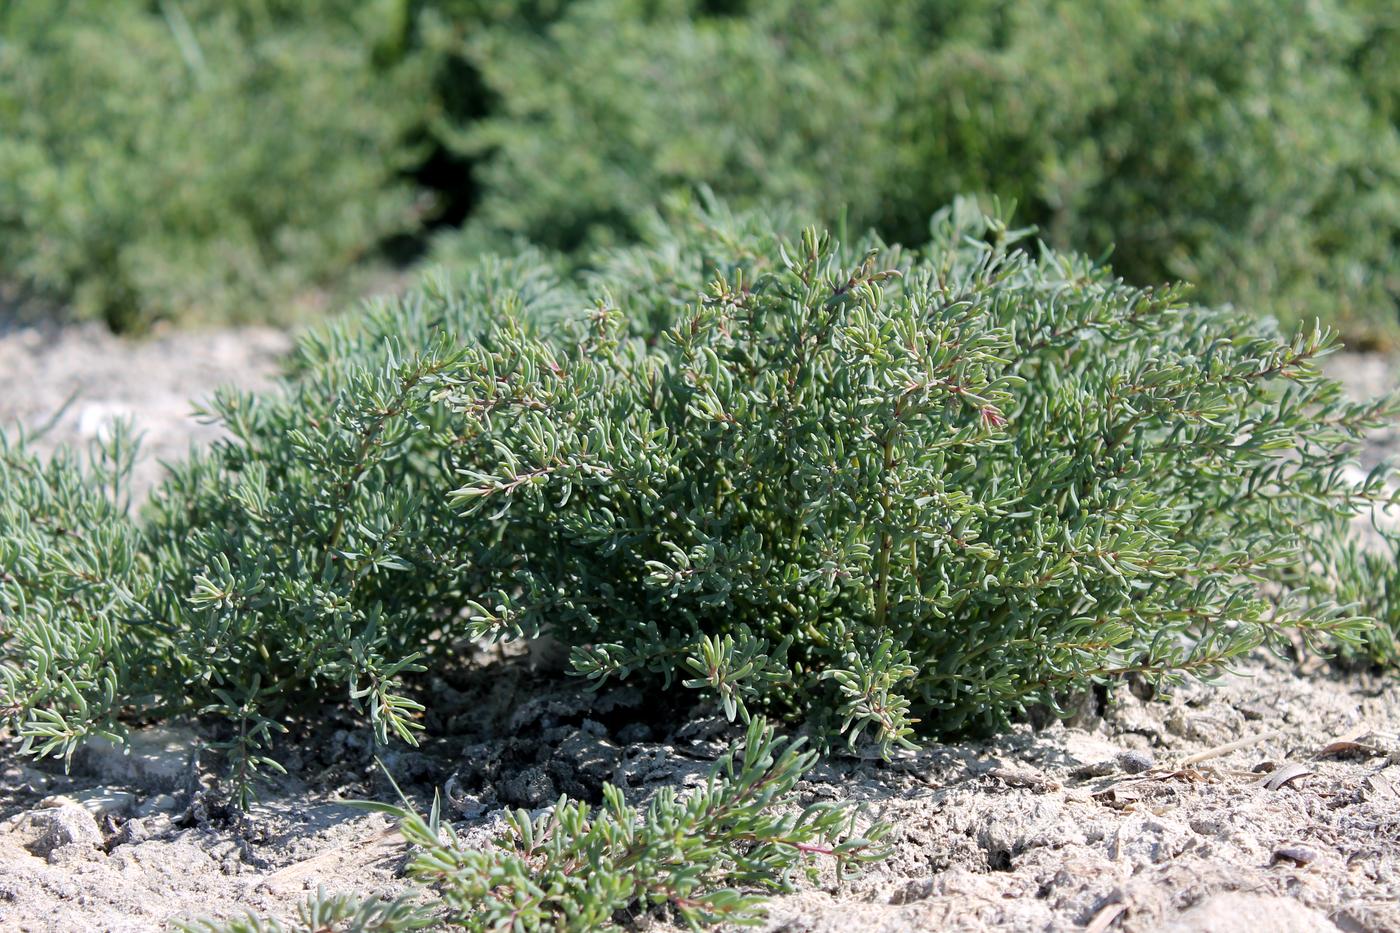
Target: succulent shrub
[(1247, 147), (1374, 58), (883, 492), (877, 491), (651, 98), (1233, 145), (311, 535)]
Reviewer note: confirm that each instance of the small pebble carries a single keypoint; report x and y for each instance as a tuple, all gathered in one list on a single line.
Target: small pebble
[(132, 831), (1136, 762), (103, 801), (1298, 855)]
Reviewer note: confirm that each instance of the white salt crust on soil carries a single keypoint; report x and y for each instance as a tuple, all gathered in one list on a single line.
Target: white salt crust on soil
[(1038, 830)]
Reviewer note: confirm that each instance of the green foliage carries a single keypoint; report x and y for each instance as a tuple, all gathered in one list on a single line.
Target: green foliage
[(167, 160), (71, 569), (1375, 56), (652, 98), (1369, 579), (572, 869), (328, 913), (878, 489), (1250, 148), (708, 855), (320, 535), (881, 491)]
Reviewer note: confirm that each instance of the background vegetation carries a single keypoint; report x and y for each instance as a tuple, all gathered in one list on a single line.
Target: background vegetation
[(199, 160), (187, 162)]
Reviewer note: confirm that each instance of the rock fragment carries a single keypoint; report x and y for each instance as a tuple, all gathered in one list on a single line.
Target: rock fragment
[(153, 760), (60, 827), (1134, 761)]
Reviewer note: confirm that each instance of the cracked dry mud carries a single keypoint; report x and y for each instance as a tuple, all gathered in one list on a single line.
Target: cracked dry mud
[(1268, 800)]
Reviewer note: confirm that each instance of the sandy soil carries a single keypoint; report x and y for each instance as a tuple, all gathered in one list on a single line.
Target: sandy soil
[(74, 382), (1271, 798), (1268, 800)]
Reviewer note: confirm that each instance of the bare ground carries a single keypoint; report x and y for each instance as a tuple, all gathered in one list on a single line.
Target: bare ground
[(73, 382), (1268, 800)]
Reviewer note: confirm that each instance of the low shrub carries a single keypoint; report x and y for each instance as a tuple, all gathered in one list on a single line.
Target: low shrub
[(883, 492), (72, 564)]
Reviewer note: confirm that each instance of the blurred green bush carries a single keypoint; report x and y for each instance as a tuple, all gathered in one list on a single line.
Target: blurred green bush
[(1249, 147), (205, 159), (194, 160)]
